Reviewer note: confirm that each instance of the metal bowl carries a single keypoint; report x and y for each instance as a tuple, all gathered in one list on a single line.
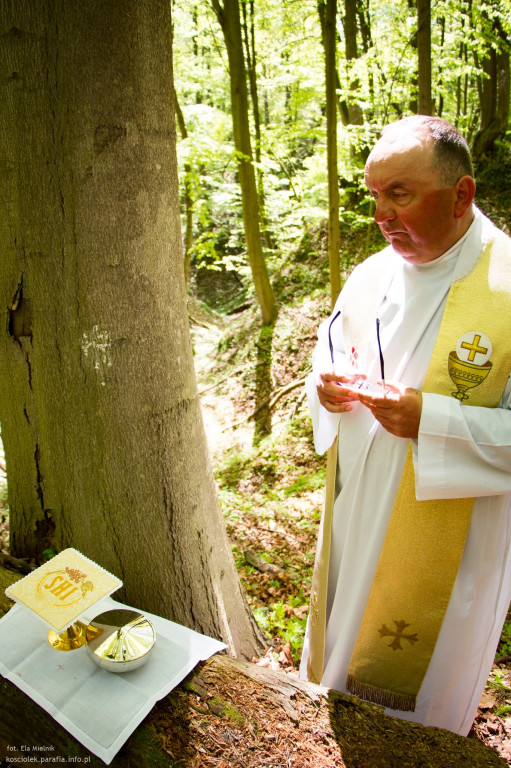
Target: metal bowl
[(120, 640)]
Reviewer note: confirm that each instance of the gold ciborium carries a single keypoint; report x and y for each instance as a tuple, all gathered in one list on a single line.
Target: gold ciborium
[(60, 591), (466, 375)]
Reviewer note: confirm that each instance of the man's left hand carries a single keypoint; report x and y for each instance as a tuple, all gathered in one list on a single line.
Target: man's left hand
[(398, 411)]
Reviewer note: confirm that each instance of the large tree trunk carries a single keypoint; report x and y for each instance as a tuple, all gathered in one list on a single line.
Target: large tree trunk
[(230, 21), (101, 423)]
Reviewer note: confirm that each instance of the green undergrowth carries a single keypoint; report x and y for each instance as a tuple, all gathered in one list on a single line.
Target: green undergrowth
[(504, 647), (271, 497), (278, 621), (280, 464), (498, 682), (4, 517)]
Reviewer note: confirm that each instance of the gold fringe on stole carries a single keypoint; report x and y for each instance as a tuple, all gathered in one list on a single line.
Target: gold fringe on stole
[(388, 699), (425, 540), (319, 588)]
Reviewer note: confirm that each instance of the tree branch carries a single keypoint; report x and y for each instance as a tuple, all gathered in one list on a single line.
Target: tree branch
[(269, 401)]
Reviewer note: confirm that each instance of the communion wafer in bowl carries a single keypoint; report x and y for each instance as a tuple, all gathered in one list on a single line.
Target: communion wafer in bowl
[(120, 640)]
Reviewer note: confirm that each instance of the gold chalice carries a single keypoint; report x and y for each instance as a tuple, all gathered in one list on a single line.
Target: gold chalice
[(73, 637), (466, 375)]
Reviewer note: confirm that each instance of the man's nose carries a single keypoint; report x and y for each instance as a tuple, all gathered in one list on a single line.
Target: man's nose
[(384, 210)]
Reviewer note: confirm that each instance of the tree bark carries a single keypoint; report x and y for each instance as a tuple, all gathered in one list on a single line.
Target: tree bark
[(330, 45), (229, 17), (101, 423), (425, 104)]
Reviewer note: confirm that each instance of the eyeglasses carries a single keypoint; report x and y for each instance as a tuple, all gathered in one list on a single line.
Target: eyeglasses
[(382, 364), (330, 343), (362, 384)]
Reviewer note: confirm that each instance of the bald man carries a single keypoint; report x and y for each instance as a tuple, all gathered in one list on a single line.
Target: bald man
[(411, 392)]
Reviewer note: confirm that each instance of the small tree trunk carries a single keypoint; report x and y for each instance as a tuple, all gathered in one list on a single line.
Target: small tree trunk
[(413, 104), (351, 50), (229, 18), (333, 176), (187, 193), (250, 48), (425, 105)]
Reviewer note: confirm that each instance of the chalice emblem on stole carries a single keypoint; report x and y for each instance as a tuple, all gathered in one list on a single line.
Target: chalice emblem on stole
[(469, 364)]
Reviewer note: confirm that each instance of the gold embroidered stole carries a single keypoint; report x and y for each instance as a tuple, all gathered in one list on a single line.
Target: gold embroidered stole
[(425, 540)]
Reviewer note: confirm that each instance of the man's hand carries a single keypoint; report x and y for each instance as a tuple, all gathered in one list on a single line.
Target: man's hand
[(333, 396), (399, 411)]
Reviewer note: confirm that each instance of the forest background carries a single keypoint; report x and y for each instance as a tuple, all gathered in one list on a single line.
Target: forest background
[(252, 393), (276, 108), (445, 58)]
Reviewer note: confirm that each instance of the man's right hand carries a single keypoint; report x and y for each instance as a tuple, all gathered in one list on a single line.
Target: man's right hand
[(333, 396)]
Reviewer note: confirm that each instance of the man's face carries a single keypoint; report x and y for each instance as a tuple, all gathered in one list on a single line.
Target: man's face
[(414, 210)]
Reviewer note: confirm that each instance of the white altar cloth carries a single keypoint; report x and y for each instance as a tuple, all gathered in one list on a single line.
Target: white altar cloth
[(101, 709)]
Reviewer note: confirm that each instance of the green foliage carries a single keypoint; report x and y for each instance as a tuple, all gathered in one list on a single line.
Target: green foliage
[(303, 484), (290, 78), (4, 499), (260, 487), (279, 461), (279, 621), (497, 682), (4, 516), (504, 647), (276, 475)]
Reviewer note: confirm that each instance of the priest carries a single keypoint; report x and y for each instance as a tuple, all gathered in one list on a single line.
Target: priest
[(411, 395)]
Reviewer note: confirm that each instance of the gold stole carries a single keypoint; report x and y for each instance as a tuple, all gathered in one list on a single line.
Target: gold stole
[(425, 540)]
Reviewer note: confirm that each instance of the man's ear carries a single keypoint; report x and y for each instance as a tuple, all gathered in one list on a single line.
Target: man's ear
[(465, 191)]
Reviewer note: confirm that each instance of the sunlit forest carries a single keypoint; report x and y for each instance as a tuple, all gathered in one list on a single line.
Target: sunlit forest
[(158, 424), (319, 88), (389, 60)]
